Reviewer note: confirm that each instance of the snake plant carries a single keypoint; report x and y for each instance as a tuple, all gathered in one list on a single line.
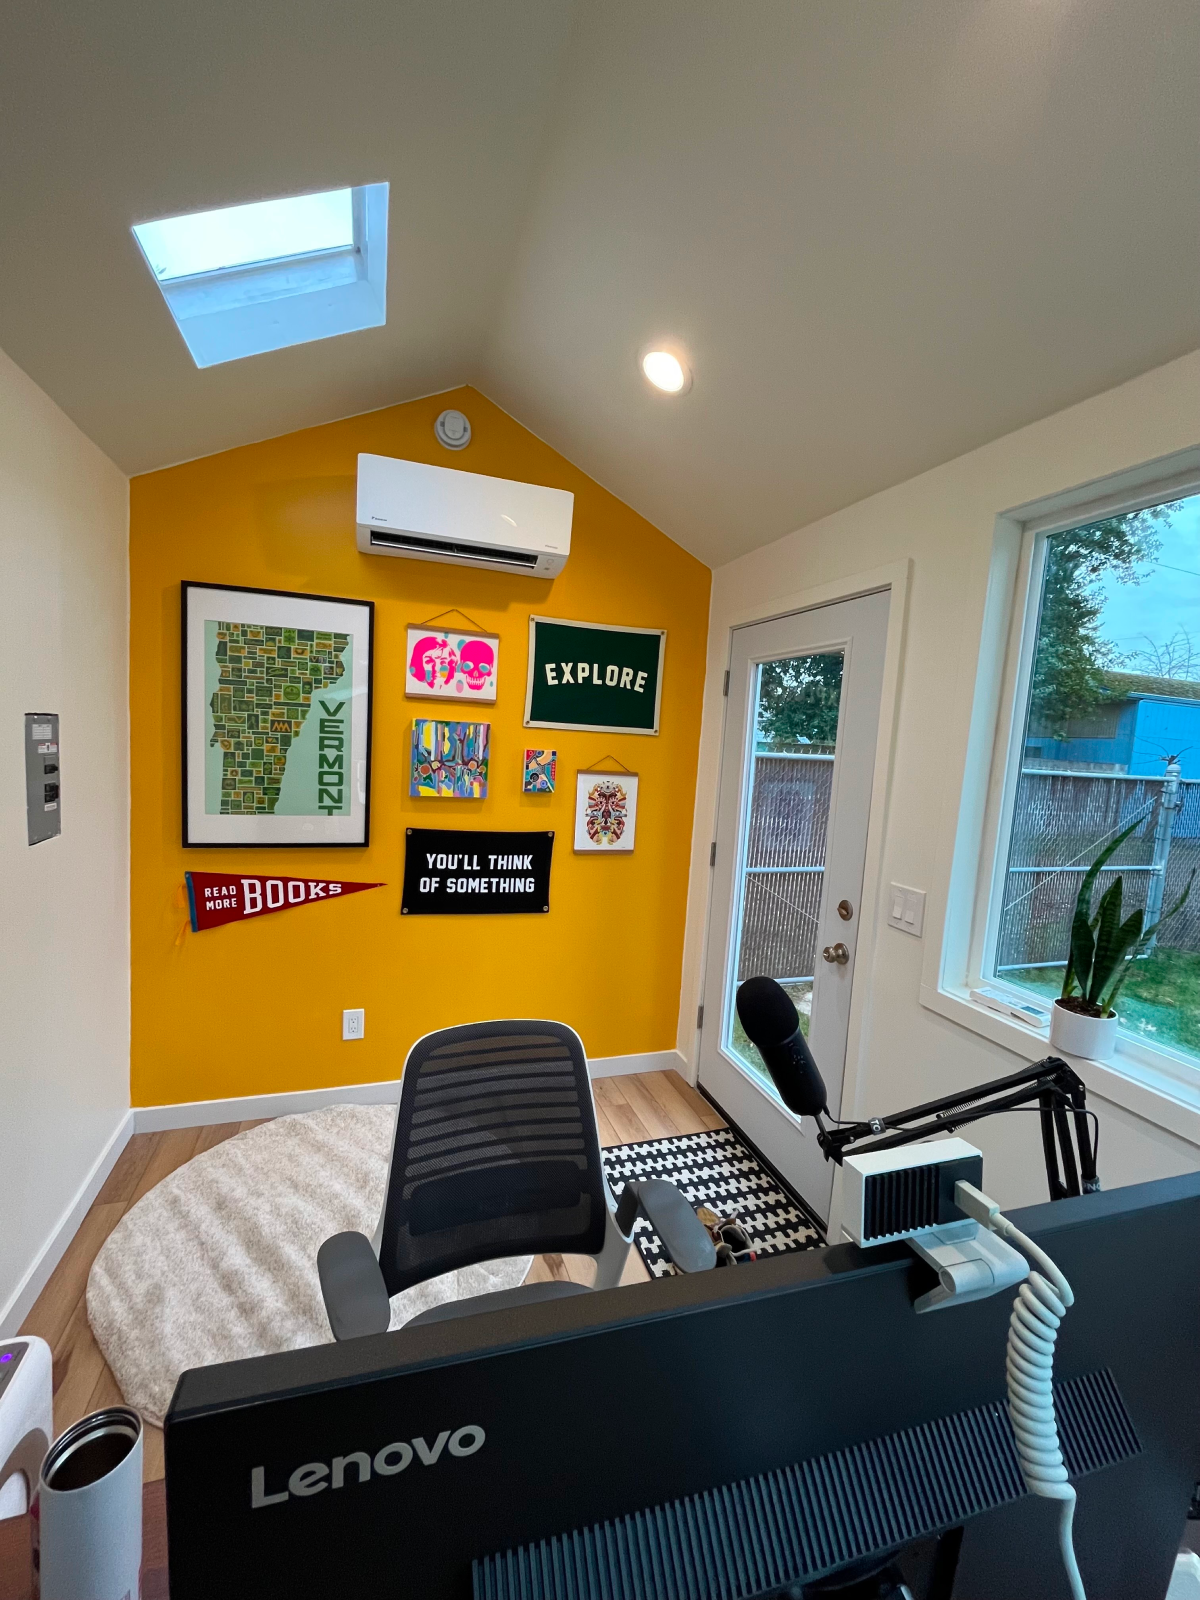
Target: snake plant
[(1103, 947)]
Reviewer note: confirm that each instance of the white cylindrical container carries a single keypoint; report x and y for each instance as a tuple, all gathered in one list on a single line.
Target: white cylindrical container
[(88, 1520), (1092, 1037)]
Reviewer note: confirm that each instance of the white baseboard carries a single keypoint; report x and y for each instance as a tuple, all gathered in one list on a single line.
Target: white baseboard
[(248, 1108), (647, 1061), (245, 1108), (20, 1302)]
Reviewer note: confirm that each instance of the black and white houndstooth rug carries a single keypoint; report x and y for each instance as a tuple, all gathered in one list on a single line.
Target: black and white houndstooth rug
[(715, 1169)]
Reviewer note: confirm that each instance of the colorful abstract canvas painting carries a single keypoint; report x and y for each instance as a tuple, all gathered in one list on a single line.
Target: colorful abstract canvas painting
[(449, 760), (605, 812), (540, 766), (451, 666)]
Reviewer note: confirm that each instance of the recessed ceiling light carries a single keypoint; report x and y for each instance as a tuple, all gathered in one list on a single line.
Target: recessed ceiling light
[(242, 280), (666, 371)]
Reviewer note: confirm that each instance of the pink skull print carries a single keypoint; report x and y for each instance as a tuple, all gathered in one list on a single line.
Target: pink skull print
[(477, 663), (451, 665)]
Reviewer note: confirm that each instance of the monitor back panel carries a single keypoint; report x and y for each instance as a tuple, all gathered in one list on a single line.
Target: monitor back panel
[(389, 1464)]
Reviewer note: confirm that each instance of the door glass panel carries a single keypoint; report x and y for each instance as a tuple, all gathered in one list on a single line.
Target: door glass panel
[(781, 861)]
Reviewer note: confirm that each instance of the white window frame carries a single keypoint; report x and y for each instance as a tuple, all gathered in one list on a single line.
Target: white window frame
[(1156, 1082), (316, 294)]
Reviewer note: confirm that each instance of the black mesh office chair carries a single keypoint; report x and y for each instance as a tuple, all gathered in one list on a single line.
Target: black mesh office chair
[(496, 1154)]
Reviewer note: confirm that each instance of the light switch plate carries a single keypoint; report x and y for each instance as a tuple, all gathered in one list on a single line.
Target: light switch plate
[(354, 1023), (906, 909)]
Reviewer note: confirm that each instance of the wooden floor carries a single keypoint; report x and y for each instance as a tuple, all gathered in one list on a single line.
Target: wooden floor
[(646, 1105)]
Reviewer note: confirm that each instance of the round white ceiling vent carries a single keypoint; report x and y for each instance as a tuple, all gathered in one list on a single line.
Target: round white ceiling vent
[(453, 430)]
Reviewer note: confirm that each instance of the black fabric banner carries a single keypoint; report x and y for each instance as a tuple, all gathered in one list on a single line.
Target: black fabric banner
[(462, 872)]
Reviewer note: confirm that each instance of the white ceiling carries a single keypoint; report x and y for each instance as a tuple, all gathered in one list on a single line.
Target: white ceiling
[(885, 230)]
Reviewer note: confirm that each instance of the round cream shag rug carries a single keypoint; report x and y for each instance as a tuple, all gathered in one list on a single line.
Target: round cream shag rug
[(219, 1260)]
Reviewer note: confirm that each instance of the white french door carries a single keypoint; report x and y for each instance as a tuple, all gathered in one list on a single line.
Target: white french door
[(792, 811)]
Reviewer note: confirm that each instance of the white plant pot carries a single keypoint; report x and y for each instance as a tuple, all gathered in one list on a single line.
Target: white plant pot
[(1093, 1037)]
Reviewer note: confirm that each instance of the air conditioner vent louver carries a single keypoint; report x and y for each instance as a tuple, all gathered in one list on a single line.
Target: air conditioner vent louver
[(900, 1202), (444, 547)]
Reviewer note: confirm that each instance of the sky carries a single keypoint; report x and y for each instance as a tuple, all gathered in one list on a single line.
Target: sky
[(1167, 597)]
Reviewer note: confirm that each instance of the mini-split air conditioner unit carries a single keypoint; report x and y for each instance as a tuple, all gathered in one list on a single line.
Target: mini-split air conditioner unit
[(406, 508)]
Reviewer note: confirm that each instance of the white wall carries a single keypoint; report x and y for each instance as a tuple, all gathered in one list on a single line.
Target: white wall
[(64, 904), (943, 523)]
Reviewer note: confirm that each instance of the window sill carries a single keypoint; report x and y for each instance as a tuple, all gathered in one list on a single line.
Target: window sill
[(1156, 1094)]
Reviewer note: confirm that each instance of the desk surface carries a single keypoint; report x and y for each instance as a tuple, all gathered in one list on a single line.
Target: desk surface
[(16, 1576)]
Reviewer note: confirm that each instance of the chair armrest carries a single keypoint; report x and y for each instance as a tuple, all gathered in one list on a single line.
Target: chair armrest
[(352, 1286), (685, 1237)]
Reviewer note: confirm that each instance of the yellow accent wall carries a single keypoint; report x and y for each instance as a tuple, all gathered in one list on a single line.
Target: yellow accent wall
[(257, 1008)]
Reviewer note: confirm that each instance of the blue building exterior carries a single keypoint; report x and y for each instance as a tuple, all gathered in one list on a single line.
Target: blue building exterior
[(1134, 734)]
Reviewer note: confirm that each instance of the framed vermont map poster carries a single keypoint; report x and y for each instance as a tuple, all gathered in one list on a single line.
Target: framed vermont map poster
[(276, 717)]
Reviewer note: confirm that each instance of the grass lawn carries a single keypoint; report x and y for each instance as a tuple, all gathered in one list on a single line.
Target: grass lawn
[(1159, 1003)]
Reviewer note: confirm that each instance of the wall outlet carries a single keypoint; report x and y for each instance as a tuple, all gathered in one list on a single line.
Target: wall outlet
[(906, 909), (354, 1023)]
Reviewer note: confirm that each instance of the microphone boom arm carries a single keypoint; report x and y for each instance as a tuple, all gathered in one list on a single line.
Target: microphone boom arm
[(1058, 1090)]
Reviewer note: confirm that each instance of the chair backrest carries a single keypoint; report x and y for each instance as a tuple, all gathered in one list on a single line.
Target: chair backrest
[(495, 1154)]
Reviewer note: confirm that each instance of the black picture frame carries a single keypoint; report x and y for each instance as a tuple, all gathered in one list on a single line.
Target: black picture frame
[(202, 829)]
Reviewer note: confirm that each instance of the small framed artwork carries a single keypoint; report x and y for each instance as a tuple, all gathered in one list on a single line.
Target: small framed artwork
[(451, 665), (449, 760), (540, 767), (276, 717), (605, 812)]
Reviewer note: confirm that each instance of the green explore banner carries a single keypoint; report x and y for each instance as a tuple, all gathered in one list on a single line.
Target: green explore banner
[(591, 675)]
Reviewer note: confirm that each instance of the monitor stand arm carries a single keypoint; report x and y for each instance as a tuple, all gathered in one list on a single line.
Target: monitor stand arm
[(1058, 1091)]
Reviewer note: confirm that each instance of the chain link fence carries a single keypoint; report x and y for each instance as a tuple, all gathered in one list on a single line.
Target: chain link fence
[(784, 865), (1061, 822)]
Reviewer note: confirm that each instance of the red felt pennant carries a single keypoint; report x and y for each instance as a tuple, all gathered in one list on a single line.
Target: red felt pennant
[(216, 897)]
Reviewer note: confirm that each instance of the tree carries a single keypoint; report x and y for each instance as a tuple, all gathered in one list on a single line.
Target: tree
[(1177, 657), (798, 701), (1070, 658)]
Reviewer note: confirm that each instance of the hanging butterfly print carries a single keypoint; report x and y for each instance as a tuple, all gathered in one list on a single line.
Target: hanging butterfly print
[(605, 812)]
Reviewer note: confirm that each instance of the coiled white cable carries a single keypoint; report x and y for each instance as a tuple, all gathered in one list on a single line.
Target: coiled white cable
[(1042, 1302)]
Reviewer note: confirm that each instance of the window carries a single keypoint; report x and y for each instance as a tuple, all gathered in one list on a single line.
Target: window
[(243, 280), (244, 236), (1110, 739), (781, 867)]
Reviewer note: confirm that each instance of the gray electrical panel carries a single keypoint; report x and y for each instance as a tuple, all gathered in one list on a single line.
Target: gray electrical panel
[(43, 779)]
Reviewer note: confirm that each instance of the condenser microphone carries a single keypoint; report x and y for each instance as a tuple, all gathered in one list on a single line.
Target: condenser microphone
[(773, 1024)]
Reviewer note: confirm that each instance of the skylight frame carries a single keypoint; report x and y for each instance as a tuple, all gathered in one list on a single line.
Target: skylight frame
[(228, 313), (220, 237)]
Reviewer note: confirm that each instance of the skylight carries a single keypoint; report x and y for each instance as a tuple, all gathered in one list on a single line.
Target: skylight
[(241, 236), (244, 280)]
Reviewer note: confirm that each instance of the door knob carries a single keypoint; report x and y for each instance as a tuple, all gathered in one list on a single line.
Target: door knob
[(837, 954)]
